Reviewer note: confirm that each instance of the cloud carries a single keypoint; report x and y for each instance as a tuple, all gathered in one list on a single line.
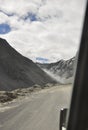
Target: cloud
[(48, 29)]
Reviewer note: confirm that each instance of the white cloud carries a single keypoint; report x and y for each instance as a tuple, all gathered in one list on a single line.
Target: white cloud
[(53, 35)]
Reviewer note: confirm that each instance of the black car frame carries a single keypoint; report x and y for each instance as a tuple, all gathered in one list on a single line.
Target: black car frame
[(77, 116)]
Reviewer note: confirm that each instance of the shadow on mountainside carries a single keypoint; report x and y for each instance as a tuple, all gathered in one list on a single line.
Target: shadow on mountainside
[(17, 71)]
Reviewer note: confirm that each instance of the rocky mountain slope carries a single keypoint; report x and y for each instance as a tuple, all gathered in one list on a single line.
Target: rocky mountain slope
[(62, 70), (17, 71)]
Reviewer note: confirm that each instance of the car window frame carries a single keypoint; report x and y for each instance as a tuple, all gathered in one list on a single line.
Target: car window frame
[(78, 112)]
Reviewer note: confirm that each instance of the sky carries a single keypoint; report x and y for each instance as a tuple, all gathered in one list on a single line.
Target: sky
[(43, 30)]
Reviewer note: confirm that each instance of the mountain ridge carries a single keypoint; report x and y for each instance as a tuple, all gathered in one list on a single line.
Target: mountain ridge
[(17, 71), (62, 70)]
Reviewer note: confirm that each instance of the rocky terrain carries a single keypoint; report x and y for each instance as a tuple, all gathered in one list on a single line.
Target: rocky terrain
[(62, 70), (17, 71), (20, 93)]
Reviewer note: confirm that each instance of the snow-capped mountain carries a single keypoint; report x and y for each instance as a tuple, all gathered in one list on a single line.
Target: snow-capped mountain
[(62, 70)]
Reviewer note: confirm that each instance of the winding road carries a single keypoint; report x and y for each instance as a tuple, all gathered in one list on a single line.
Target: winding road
[(39, 111)]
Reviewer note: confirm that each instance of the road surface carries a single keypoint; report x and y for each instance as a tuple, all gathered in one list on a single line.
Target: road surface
[(40, 111)]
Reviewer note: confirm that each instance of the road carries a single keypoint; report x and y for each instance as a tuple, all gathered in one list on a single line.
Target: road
[(40, 111)]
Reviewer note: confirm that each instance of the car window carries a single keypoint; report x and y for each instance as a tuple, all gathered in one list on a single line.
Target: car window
[(39, 41)]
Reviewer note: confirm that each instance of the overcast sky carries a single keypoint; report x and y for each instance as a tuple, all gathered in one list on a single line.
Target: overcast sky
[(42, 30)]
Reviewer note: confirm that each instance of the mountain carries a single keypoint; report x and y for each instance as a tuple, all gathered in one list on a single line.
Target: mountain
[(62, 70), (17, 71)]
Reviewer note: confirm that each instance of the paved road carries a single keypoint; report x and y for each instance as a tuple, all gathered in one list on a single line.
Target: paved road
[(38, 112)]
